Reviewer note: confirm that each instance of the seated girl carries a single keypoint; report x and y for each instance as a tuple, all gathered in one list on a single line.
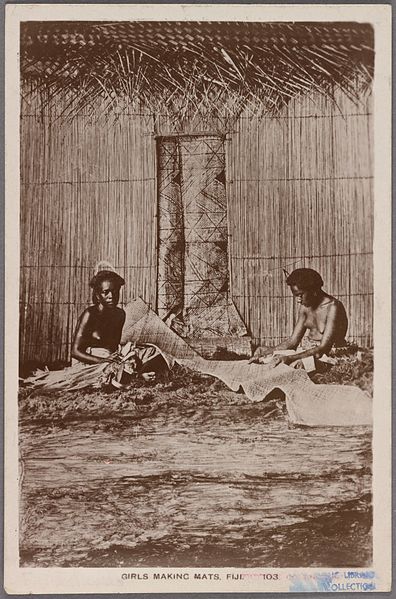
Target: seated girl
[(321, 319), (98, 359), (99, 329)]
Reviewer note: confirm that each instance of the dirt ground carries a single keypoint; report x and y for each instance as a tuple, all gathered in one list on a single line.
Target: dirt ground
[(182, 472)]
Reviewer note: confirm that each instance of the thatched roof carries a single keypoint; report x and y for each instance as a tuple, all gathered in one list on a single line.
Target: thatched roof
[(199, 64)]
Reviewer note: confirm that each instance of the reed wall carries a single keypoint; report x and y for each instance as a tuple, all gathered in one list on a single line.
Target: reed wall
[(300, 189), (299, 193), (88, 192)]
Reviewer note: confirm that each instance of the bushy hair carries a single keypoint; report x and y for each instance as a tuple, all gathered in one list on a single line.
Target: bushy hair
[(305, 278), (106, 275)]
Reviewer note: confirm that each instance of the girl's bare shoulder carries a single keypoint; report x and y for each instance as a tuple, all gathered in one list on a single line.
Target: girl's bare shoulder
[(86, 317), (87, 313), (329, 301), (333, 301)]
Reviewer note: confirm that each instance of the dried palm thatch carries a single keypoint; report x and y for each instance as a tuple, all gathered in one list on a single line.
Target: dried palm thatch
[(182, 67)]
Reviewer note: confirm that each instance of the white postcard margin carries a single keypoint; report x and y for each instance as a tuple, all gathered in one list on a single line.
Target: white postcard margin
[(139, 580)]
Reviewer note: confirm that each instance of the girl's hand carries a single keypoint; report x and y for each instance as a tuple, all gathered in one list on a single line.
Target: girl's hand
[(280, 360), (261, 352), (254, 360), (113, 359)]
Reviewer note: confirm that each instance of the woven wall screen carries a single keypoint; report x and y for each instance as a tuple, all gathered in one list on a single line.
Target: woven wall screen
[(193, 275)]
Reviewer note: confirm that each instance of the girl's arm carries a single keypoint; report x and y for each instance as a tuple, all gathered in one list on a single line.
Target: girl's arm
[(79, 342), (297, 334), (326, 343), (291, 343)]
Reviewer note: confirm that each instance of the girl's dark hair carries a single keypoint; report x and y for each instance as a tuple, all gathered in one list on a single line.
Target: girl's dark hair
[(305, 278), (104, 275)]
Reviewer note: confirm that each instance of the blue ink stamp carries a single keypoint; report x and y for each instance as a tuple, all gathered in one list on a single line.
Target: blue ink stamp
[(333, 582)]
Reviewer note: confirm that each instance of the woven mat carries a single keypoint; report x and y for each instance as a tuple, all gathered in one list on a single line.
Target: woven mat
[(307, 403)]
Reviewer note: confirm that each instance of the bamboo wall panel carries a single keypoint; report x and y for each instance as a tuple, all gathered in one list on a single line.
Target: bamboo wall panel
[(299, 192), (88, 193), (300, 189)]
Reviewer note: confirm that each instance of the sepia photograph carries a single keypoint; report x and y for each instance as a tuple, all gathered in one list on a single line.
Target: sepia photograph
[(196, 342)]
